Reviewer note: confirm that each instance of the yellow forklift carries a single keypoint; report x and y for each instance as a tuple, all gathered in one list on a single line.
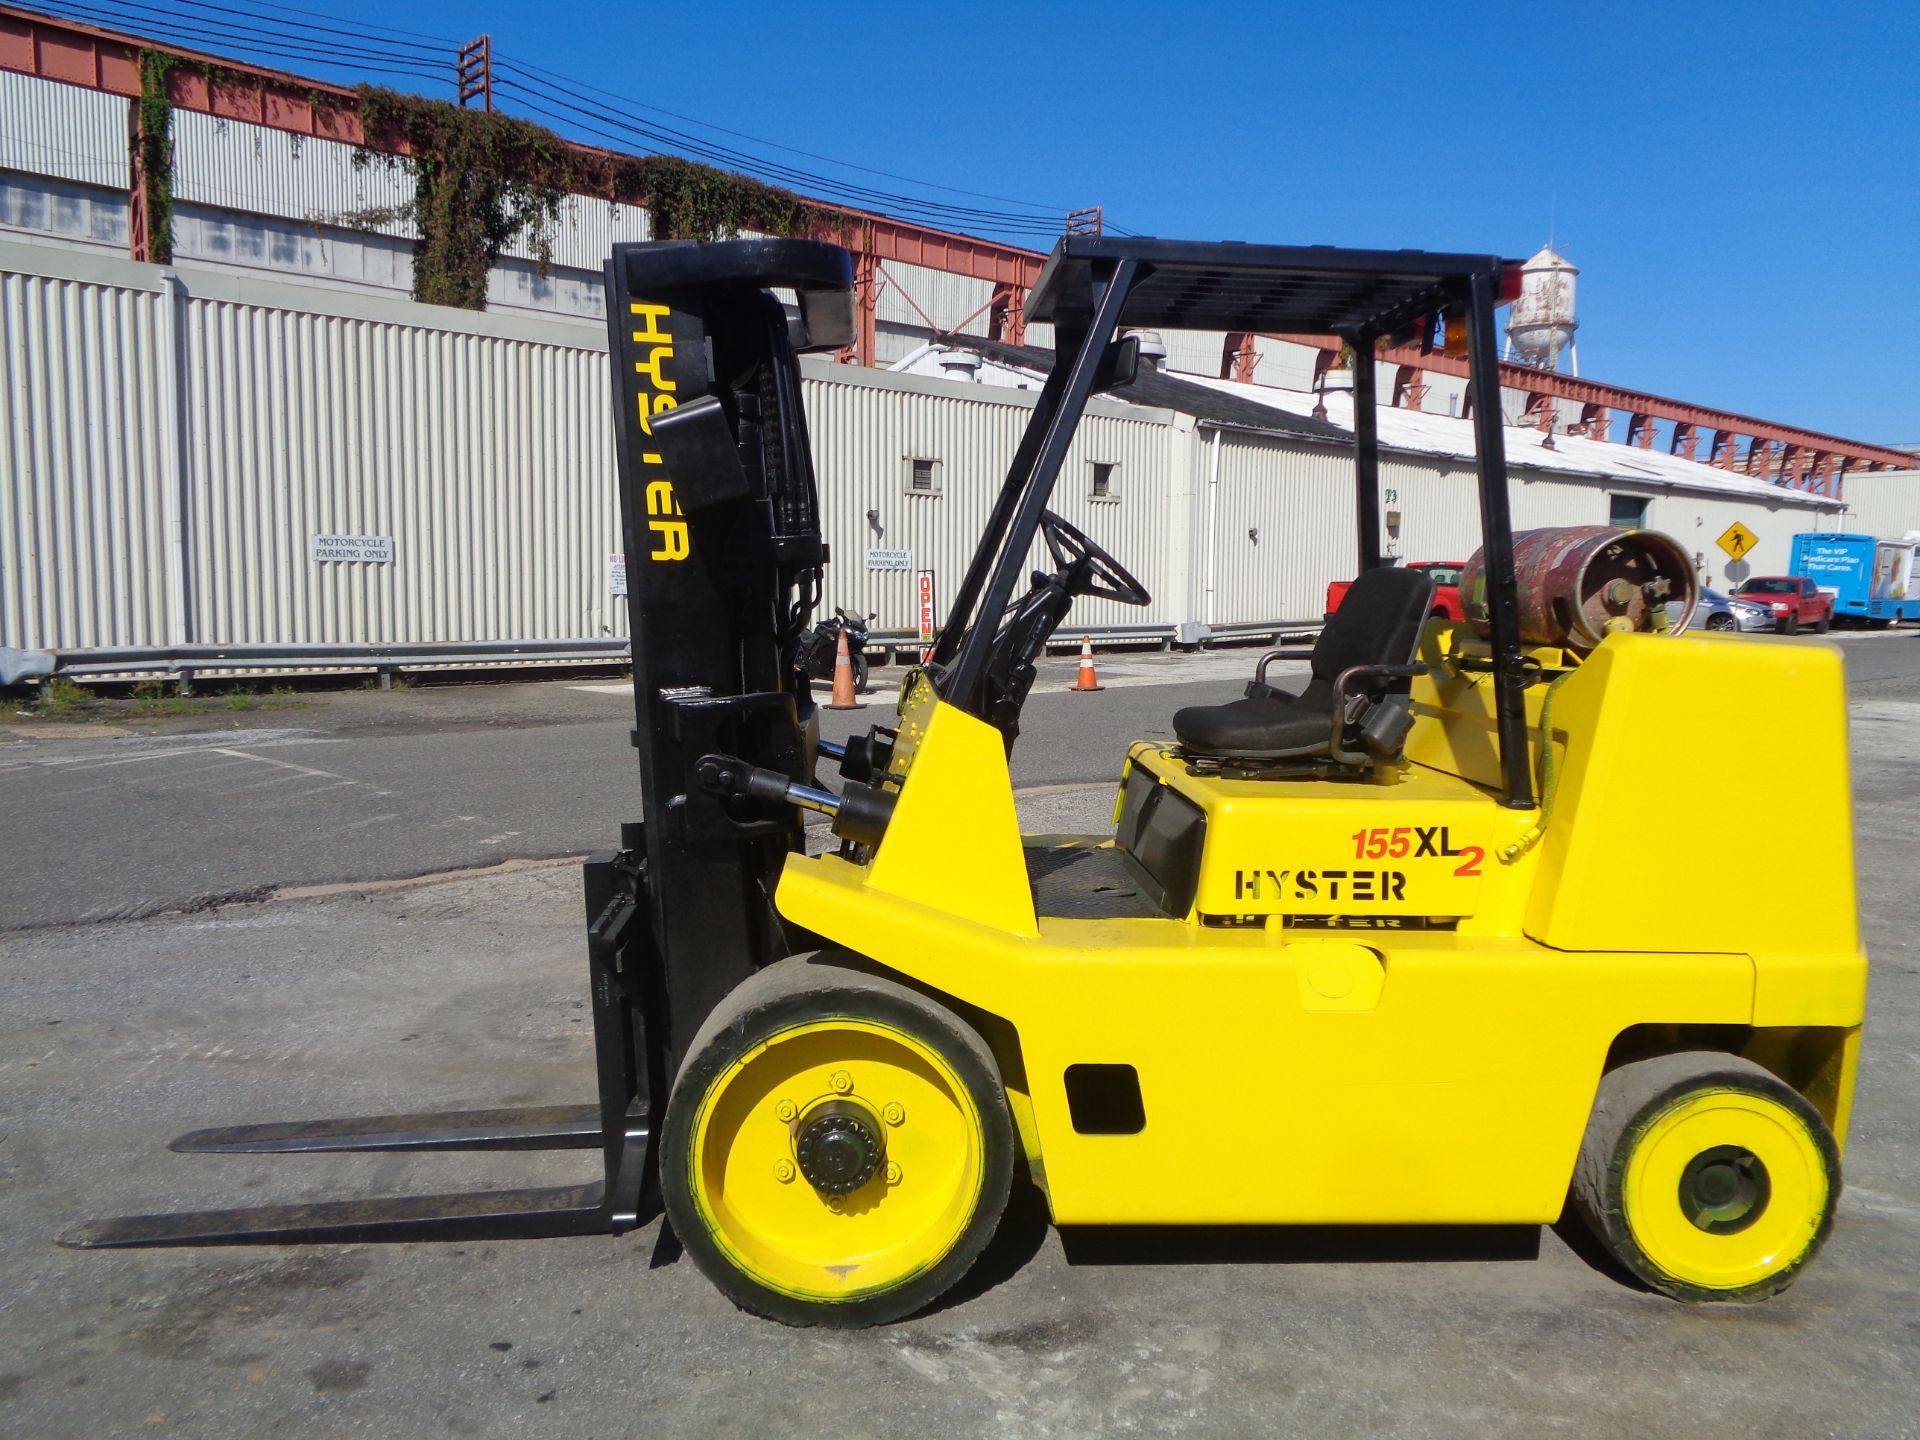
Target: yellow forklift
[(1414, 945)]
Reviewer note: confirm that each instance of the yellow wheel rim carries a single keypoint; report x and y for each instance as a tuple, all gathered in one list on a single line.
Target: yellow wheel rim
[(1724, 1189), (745, 1164)]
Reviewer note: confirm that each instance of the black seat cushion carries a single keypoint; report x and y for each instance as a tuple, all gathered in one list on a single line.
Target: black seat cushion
[(1267, 726), (1378, 623)]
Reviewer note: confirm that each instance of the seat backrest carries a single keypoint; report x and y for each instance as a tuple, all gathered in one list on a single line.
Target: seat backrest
[(1378, 623)]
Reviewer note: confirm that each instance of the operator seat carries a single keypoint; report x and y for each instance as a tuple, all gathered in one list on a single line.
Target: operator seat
[(1361, 667)]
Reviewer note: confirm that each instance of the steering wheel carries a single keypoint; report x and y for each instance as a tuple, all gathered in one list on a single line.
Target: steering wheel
[(1089, 570)]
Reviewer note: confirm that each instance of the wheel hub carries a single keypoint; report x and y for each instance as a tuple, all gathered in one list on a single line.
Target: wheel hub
[(839, 1146), (1725, 1189)]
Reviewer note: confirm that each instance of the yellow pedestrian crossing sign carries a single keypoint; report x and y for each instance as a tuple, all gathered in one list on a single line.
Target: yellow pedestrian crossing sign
[(1738, 540)]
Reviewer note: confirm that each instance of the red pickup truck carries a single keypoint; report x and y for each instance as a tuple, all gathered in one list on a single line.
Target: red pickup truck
[(1445, 575), (1794, 601)]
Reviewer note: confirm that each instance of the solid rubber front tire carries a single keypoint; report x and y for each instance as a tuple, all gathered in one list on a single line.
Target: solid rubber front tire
[(811, 997), (1676, 1104)]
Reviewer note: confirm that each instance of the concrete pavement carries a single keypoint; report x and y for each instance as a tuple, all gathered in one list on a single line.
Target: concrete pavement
[(470, 992)]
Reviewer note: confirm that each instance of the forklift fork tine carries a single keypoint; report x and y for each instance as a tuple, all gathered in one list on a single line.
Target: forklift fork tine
[(538, 1127), (477, 1215)]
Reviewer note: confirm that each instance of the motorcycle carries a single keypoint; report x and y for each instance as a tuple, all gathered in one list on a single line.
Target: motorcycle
[(818, 648)]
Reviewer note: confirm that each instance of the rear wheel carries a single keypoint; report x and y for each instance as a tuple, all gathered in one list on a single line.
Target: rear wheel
[(837, 1149), (1826, 624), (1706, 1176)]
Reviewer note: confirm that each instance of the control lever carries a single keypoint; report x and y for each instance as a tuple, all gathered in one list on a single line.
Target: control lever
[(859, 814)]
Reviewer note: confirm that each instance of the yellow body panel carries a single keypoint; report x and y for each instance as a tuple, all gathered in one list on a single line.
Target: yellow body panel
[(1393, 998)]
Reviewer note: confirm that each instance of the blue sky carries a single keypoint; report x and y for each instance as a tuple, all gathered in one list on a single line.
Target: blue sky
[(1738, 183)]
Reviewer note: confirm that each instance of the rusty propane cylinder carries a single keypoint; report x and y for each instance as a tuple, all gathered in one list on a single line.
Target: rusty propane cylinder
[(1577, 584)]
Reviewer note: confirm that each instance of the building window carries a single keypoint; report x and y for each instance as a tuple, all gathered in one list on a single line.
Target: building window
[(1627, 512), (923, 476), (1101, 484)]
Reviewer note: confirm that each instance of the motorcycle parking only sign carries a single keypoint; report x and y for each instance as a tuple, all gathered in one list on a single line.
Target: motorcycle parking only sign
[(376, 549)]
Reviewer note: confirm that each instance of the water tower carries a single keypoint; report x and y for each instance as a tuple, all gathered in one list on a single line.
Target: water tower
[(1541, 324)]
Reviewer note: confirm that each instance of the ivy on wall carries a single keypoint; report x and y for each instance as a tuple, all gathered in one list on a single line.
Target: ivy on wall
[(154, 151), (689, 201), (480, 179)]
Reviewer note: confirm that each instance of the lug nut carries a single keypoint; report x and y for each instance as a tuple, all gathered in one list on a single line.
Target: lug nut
[(893, 1173), (841, 1081), (786, 1109), (783, 1171), (894, 1114)]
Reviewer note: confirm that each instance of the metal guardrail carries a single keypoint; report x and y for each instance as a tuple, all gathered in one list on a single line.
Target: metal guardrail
[(185, 659), (1164, 636), (21, 666)]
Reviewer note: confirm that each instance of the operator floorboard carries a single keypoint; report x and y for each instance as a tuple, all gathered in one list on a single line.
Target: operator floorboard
[(1074, 883)]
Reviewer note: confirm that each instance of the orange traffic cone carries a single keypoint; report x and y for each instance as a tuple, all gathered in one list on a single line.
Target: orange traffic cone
[(1087, 679), (843, 679)]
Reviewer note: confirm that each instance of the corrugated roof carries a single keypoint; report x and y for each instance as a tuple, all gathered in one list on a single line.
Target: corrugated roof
[(1167, 391), (1290, 412), (1422, 433)]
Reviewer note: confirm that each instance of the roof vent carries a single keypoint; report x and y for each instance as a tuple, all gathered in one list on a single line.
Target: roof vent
[(961, 365), (1153, 348)]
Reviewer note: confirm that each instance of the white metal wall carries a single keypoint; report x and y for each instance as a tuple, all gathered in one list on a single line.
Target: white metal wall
[(63, 211), (300, 251), (1882, 502), (945, 298), (1440, 518), (480, 443), (244, 416), (67, 131), (1282, 528), (1197, 352), (869, 426), (86, 463), (258, 170), (487, 456)]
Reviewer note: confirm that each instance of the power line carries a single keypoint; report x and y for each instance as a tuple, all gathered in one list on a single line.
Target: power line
[(166, 27), (526, 67), (783, 174), (441, 40), (313, 42), (746, 160), (436, 50), (917, 211)]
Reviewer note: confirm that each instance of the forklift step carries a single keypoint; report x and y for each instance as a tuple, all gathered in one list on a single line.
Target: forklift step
[(537, 1127), (477, 1215)]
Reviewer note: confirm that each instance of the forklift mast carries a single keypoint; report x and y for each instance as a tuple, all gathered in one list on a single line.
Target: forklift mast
[(721, 524)]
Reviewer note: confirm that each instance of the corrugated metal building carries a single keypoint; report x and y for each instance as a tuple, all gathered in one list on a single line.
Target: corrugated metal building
[(1885, 503), (175, 441)]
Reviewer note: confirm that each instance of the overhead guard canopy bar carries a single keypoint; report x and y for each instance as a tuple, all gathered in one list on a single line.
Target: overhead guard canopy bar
[(1092, 286)]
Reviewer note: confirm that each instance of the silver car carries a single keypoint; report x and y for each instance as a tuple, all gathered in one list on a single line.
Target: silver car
[(1722, 612)]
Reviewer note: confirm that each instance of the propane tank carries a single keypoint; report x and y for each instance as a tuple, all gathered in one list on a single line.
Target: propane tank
[(1577, 584)]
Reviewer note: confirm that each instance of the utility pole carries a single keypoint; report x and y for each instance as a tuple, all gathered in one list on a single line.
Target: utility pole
[(475, 72)]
